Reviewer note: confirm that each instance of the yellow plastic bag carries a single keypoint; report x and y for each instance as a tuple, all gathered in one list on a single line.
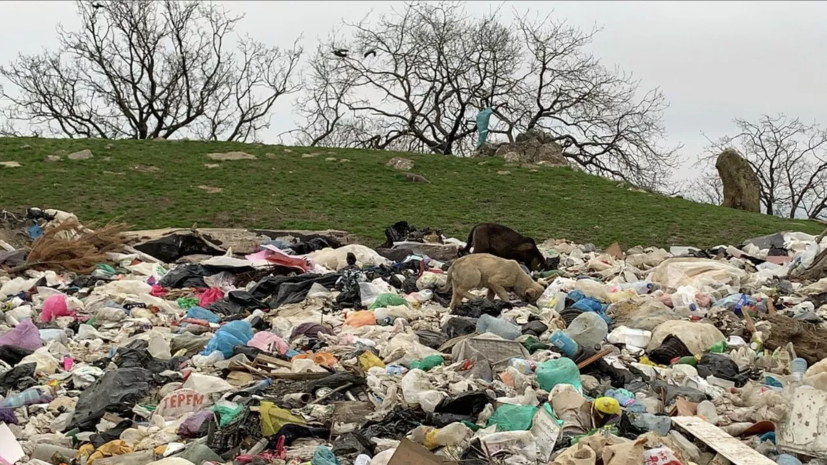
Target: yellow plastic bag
[(367, 361), (273, 418)]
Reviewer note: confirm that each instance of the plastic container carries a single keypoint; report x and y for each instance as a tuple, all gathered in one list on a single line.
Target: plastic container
[(506, 330), (563, 342), (707, 410), (630, 336)]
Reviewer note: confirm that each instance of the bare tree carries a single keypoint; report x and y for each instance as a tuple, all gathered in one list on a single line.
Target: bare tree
[(707, 188), (421, 73), (145, 69), (790, 160)]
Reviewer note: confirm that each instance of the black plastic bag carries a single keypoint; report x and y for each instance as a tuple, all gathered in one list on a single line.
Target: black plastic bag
[(441, 420), (395, 425), (99, 439), (671, 348), (292, 432), (431, 339), (722, 367), (474, 454), (534, 328), (312, 245), (193, 275), (311, 330), (20, 377), (334, 381), (236, 303), (290, 289), (481, 306), (669, 393), (136, 355), (467, 403), (349, 445), (117, 392), (170, 248), (459, 326), (14, 354)]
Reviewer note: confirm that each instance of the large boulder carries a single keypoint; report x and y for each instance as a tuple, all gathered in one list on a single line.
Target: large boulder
[(741, 185), (534, 147), (401, 164), (485, 150)]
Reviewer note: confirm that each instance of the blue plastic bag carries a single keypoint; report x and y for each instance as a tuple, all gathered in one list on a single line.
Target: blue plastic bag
[(483, 118), (324, 456), (199, 313), (232, 334), (588, 304)]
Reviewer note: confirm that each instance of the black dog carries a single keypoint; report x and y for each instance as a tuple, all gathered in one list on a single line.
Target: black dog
[(504, 242)]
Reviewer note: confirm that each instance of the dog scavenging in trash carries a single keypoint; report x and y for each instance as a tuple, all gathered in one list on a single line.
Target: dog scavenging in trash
[(151, 348)]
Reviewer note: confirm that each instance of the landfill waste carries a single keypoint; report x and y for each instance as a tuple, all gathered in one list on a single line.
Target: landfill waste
[(176, 348)]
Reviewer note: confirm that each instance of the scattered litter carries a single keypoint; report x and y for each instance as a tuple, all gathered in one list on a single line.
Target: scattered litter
[(188, 346)]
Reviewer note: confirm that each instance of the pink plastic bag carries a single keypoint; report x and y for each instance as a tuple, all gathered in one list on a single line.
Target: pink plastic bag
[(208, 296), (268, 342), (158, 291), (55, 307), (23, 335), (272, 255)]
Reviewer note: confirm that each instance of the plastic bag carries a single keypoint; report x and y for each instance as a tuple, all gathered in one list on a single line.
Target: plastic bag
[(273, 418), (116, 392), (208, 296), (560, 371), (388, 300), (593, 289), (228, 336), (360, 318), (268, 342), (368, 292), (513, 417), (368, 360), (200, 313), (698, 337), (588, 329), (55, 307), (23, 335)]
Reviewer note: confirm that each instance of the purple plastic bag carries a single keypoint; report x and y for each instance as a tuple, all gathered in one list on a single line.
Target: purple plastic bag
[(24, 335), (191, 427)]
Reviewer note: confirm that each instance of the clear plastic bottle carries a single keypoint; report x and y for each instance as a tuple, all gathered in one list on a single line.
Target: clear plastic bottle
[(797, 368), (498, 326), (33, 395), (522, 365)]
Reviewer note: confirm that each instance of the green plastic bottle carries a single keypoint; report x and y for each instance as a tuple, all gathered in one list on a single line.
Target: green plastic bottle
[(718, 348)]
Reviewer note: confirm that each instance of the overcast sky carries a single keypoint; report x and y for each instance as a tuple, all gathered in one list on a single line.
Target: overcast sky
[(713, 60)]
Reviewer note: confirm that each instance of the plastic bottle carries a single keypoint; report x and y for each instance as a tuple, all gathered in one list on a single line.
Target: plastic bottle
[(563, 342), (719, 347), (259, 386), (641, 287), (757, 341), (742, 301), (504, 329), (68, 362), (396, 370), (522, 365), (797, 367), (34, 395)]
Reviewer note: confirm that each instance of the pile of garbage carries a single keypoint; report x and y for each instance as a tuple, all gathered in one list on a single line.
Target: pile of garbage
[(181, 349)]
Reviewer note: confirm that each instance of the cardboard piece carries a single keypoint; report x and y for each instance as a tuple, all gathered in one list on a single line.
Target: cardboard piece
[(10, 449), (411, 453), (181, 402), (615, 251), (805, 429), (545, 428)]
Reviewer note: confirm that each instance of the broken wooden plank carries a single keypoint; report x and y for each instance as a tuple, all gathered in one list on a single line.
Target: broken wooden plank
[(717, 439)]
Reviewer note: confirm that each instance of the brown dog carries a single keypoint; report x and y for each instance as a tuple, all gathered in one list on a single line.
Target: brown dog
[(504, 242), (497, 274)]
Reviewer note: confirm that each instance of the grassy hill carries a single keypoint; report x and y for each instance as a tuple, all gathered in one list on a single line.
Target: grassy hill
[(154, 184)]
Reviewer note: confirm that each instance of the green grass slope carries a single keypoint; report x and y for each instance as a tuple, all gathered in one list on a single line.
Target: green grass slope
[(155, 184)]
